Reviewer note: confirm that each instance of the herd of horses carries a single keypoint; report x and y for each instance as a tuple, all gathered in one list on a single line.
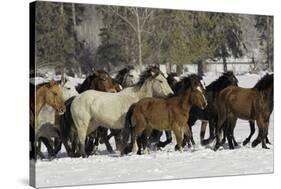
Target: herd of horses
[(136, 108)]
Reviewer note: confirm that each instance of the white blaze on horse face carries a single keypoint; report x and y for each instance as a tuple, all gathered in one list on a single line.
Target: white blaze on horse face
[(177, 78), (199, 89), (203, 84), (204, 98)]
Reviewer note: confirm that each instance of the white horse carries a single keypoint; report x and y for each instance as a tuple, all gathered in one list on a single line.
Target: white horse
[(93, 108)]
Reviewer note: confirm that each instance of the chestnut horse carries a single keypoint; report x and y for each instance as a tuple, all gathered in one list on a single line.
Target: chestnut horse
[(166, 114), (254, 104)]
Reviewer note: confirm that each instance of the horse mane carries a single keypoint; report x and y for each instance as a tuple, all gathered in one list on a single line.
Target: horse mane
[(185, 82), (221, 82), (121, 73), (264, 83), (149, 72)]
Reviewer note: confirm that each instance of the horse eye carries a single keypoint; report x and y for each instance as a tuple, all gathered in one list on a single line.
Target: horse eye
[(55, 93), (68, 88), (131, 75)]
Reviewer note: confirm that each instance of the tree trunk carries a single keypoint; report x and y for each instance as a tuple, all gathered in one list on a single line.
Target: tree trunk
[(73, 16), (179, 70), (224, 64), (200, 68), (139, 41)]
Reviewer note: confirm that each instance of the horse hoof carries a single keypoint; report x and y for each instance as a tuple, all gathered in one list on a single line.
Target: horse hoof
[(255, 143), (246, 141)]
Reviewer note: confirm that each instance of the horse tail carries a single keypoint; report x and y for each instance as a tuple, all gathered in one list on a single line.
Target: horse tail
[(128, 124)]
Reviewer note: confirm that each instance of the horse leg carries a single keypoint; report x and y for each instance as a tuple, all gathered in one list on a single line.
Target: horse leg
[(82, 134), (147, 133), (232, 127), (221, 120), (38, 149), (203, 131), (228, 135), (136, 132), (265, 132), (191, 139), (49, 146), (252, 131), (179, 137), (58, 144), (261, 127), (107, 144), (168, 139)]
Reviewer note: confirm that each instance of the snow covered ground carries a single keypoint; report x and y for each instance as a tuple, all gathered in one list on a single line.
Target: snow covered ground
[(165, 164)]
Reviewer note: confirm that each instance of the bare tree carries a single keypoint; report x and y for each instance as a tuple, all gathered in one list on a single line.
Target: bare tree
[(137, 19)]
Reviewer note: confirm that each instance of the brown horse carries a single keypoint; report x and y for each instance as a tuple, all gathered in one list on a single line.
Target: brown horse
[(253, 104), (166, 114)]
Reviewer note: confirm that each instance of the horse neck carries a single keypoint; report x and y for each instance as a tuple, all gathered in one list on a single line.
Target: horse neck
[(135, 92), (267, 96), (184, 101), (40, 99)]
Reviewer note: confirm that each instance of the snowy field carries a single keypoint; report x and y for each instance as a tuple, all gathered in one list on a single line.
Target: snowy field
[(165, 164)]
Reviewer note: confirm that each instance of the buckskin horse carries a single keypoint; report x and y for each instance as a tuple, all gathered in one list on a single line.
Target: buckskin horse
[(46, 93)]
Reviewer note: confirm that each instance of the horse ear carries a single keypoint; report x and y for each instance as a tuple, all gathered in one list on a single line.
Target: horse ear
[(52, 83), (96, 73)]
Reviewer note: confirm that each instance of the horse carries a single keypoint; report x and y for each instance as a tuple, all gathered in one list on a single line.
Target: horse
[(176, 84), (49, 135), (93, 108), (166, 114), (46, 93), (100, 80), (208, 114), (47, 118), (254, 104)]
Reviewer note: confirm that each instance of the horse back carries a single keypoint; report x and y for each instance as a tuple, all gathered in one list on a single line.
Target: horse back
[(239, 101)]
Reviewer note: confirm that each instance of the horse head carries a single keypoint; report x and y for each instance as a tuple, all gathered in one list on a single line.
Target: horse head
[(130, 78), (54, 96), (102, 82), (68, 90), (153, 82), (193, 84), (230, 77)]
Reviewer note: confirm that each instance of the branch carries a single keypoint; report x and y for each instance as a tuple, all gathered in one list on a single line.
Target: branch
[(124, 19)]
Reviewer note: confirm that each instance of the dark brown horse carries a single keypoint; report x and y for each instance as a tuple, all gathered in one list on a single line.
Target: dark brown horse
[(166, 114), (254, 104), (99, 80)]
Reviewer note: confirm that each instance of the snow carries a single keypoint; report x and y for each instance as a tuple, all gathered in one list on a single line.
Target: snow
[(164, 164)]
